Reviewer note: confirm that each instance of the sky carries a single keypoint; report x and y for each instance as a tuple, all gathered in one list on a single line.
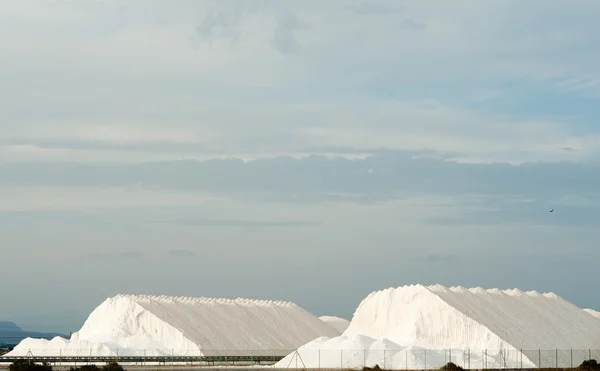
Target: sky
[(311, 151)]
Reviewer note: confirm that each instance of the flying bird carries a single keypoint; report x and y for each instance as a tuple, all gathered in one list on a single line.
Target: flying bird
[(551, 211)]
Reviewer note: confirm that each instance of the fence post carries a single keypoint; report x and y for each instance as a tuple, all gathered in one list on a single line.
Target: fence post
[(425, 359), (319, 358), (539, 358), (521, 357), (384, 359), (469, 358), (589, 354), (485, 357), (406, 358), (342, 358), (556, 360), (571, 358)]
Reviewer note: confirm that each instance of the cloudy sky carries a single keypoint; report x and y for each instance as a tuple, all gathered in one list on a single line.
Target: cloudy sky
[(310, 151)]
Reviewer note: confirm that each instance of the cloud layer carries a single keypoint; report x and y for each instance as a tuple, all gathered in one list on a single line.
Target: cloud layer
[(308, 151)]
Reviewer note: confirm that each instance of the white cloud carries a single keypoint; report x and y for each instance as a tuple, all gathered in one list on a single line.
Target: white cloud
[(94, 199), (272, 77)]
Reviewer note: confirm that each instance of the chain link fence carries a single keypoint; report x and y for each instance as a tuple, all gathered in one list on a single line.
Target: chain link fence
[(391, 359)]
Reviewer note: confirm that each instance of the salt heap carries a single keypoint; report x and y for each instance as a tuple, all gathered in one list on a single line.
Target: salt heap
[(427, 326), (337, 323), (165, 325)]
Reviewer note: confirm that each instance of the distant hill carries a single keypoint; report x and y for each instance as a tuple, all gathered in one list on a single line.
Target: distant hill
[(10, 333)]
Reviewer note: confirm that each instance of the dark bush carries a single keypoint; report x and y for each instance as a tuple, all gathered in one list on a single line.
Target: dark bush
[(113, 366), (376, 368), (451, 367), (590, 364), (27, 365)]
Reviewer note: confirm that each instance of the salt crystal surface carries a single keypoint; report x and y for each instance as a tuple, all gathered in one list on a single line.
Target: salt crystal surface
[(164, 325), (593, 312), (337, 323)]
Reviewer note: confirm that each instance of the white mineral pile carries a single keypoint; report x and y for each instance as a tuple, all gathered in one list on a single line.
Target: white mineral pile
[(337, 323), (483, 328), (357, 351), (163, 325)]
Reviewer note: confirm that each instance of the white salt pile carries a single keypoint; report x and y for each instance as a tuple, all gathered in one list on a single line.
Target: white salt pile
[(164, 325), (357, 351), (494, 324), (337, 323)]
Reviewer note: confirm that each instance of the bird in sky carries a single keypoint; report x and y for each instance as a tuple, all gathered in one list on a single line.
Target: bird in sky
[(551, 211)]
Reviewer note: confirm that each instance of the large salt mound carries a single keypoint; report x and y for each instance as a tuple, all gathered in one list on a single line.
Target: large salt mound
[(337, 323), (494, 324), (162, 325)]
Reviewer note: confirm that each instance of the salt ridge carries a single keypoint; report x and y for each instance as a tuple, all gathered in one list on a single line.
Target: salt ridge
[(164, 325)]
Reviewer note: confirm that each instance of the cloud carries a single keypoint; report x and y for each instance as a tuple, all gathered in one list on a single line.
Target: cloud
[(120, 255), (284, 36), (393, 175), (454, 136), (531, 213), (182, 254), (411, 24), (440, 258), (377, 7), (206, 222), (327, 91)]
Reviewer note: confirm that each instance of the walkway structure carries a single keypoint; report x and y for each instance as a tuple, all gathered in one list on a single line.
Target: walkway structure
[(162, 360)]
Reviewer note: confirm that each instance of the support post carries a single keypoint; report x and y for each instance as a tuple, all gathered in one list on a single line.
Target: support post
[(556, 359)]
